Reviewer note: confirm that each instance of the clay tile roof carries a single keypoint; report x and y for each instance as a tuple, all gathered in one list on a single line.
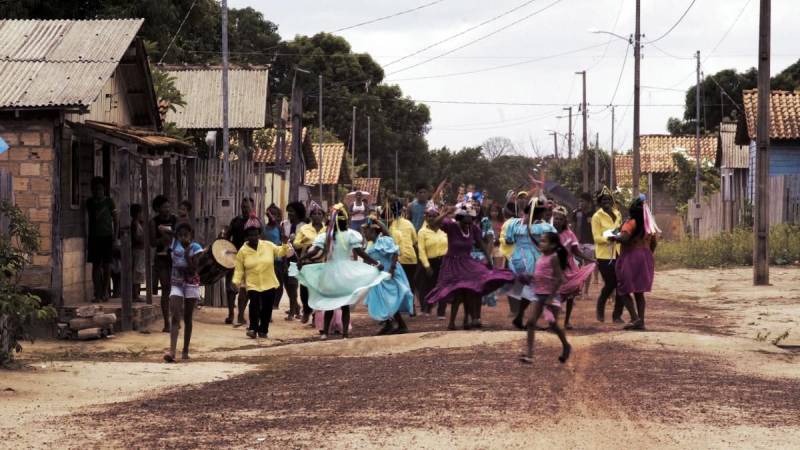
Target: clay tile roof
[(784, 114), (623, 169), (269, 155), (656, 154), (332, 156), (371, 185)]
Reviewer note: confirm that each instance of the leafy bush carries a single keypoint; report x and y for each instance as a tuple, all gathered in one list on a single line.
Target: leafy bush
[(730, 249), (17, 308)]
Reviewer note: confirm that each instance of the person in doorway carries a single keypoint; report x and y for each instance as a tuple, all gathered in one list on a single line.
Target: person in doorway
[(635, 267), (138, 253), (102, 223), (295, 221), (255, 272), (432, 246), (162, 232), (405, 236), (272, 233), (418, 207), (236, 234), (606, 222), (548, 278), (184, 288), (387, 301), (358, 211)]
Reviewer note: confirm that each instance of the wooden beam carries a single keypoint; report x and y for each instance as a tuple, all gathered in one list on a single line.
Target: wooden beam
[(126, 275), (148, 267), (57, 276)]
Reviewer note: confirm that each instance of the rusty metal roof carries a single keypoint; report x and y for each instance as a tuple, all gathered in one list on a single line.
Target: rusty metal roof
[(201, 89), (331, 159), (143, 137), (730, 155), (784, 115), (46, 63)]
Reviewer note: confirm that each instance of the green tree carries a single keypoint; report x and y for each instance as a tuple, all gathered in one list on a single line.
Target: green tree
[(680, 184)]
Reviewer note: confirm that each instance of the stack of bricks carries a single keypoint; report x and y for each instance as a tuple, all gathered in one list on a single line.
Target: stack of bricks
[(29, 160)]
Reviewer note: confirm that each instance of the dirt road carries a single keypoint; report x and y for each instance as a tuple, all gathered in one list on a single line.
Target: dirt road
[(703, 376)]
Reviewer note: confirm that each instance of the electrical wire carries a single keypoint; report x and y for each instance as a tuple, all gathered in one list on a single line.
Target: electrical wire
[(177, 32), (390, 16), (680, 19), (621, 72), (460, 33), (728, 31), (474, 41)]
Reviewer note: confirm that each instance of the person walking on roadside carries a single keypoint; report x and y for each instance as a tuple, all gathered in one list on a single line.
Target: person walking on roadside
[(184, 288)]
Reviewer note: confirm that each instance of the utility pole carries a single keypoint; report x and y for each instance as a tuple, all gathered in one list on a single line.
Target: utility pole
[(698, 189), (585, 157), (555, 143), (569, 133), (761, 222), (597, 162), (611, 174), (637, 56), (226, 163), (321, 149), (353, 147), (369, 148)]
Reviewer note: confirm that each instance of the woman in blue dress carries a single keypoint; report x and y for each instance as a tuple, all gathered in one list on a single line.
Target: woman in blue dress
[(393, 296), (524, 233), (340, 281)]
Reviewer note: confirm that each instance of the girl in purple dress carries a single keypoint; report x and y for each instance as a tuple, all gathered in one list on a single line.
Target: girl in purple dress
[(462, 279)]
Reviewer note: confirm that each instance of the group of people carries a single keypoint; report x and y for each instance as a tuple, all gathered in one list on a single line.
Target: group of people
[(528, 248)]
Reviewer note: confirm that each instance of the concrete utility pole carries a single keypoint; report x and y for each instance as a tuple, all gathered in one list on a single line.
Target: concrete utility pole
[(597, 162), (585, 156), (569, 134), (611, 174), (226, 164), (555, 143), (369, 148), (637, 47), (761, 222), (321, 149), (698, 188)]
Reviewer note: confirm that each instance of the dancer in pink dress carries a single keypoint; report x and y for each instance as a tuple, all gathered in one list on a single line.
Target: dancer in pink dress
[(575, 276)]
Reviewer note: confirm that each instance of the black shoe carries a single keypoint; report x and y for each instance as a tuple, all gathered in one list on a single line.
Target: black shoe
[(565, 354), (228, 320), (262, 335), (401, 330), (251, 334), (305, 318), (618, 320), (387, 328), (517, 322)]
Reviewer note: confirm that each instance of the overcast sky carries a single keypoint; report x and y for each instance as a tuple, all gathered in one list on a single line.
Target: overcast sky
[(710, 26)]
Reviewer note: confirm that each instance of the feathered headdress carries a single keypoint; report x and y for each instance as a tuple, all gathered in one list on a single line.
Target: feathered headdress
[(604, 192)]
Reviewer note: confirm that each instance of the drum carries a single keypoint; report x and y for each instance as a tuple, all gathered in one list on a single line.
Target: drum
[(216, 261)]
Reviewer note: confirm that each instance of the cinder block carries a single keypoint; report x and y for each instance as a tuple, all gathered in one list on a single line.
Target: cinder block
[(41, 185), (19, 184), (45, 201), (42, 153), (10, 137), (30, 169), (19, 153), (39, 215), (26, 199), (42, 260), (31, 138)]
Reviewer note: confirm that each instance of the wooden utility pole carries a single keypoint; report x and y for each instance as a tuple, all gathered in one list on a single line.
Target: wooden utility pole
[(569, 134), (585, 156), (555, 144), (295, 163), (637, 47), (698, 189), (761, 222), (597, 162), (226, 163), (321, 161), (611, 174)]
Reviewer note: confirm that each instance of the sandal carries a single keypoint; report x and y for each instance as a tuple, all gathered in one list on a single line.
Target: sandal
[(525, 360)]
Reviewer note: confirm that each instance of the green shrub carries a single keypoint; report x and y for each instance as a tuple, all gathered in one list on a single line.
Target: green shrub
[(729, 249)]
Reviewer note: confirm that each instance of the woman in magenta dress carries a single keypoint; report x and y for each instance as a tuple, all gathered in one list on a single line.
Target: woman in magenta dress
[(462, 279), (575, 276)]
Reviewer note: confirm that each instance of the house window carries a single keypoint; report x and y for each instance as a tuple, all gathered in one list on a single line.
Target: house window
[(75, 174)]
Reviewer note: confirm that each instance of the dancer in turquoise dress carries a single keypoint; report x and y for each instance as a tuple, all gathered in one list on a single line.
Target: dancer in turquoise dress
[(523, 234), (393, 296), (340, 281)]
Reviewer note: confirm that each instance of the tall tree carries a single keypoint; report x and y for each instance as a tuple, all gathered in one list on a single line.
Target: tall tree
[(497, 146)]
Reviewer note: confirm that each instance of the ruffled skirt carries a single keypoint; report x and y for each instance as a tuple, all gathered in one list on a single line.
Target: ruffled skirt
[(462, 273), (334, 284)]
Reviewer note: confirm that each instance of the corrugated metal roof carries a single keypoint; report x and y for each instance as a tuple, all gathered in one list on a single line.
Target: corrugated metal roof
[(784, 115), (202, 92), (59, 62), (731, 156), (332, 156)]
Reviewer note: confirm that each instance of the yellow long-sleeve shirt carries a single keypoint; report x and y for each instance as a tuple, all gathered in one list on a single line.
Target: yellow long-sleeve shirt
[(257, 266), (305, 236), (431, 244), (601, 222), (505, 248), (404, 234)]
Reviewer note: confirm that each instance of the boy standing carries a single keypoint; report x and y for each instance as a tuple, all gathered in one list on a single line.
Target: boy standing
[(102, 229)]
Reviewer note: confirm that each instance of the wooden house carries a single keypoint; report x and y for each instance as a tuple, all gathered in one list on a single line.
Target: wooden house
[(77, 101), (733, 163), (656, 157)]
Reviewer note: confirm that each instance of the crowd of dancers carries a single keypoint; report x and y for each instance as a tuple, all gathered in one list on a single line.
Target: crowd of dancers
[(462, 254)]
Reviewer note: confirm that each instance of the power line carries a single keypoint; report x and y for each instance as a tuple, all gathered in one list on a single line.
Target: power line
[(621, 72), (177, 32), (477, 102), (499, 30), (670, 55), (461, 33), (680, 19), (727, 32), (390, 16)]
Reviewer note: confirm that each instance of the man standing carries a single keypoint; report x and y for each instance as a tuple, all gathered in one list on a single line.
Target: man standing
[(418, 206), (235, 233), (102, 223)]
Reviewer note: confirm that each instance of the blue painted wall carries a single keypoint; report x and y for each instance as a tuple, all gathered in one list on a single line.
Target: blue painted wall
[(784, 159)]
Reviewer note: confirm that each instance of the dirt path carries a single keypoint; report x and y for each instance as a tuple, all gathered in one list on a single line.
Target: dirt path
[(697, 378)]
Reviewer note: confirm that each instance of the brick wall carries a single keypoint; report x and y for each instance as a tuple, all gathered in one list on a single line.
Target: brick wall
[(30, 161)]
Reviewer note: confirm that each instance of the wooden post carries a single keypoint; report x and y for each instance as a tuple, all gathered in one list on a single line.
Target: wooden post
[(148, 266), (296, 165), (761, 222), (166, 179), (178, 182), (126, 276)]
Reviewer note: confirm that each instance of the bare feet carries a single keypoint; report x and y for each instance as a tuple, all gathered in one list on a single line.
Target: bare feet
[(169, 357), (185, 355), (565, 354)]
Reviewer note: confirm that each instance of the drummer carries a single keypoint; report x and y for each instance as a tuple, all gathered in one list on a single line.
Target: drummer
[(235, 233)]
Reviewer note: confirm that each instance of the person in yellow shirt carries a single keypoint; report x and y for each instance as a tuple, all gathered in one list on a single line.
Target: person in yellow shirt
[(405, 236), (255, 264), (607, 218), (303, 240), (432, 245)]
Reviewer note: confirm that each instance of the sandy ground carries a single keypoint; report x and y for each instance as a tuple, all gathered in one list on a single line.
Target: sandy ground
[(706, 374)]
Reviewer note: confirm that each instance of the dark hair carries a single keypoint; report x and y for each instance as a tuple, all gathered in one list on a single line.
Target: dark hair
[(299, 210), (248, 200), (135, 210), (98, 181), (184, 225), (159, 201), (538, 211), (637, 214), (341, 222), (187, 204), (560, 250), (420, 187)]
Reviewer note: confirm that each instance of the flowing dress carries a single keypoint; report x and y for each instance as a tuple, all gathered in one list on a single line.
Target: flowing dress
[(635, 267), (339, 281), (460, 272), (394, 294), (477, 254), (574, 275), (526, 253)]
